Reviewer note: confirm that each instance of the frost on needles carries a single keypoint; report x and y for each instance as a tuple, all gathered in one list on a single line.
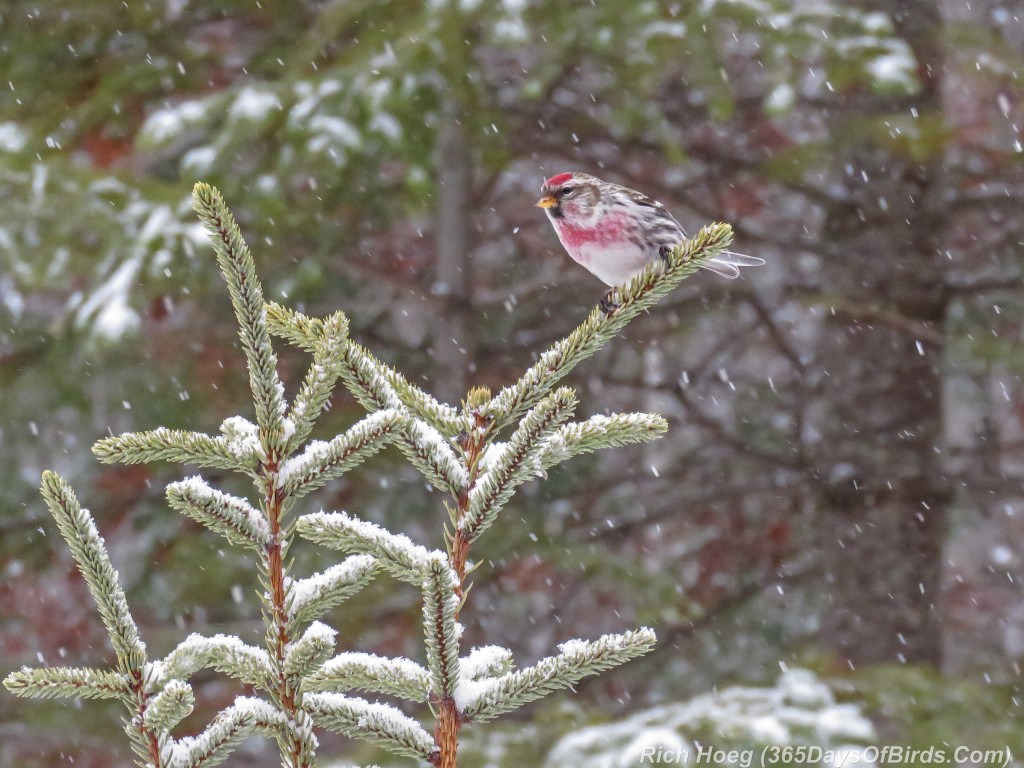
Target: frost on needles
[(478, 454)]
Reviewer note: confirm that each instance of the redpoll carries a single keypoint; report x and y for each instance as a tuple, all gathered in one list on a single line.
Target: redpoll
[(615, 232)]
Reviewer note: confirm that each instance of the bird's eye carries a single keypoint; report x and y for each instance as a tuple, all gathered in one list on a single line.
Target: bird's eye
[(566, 191)]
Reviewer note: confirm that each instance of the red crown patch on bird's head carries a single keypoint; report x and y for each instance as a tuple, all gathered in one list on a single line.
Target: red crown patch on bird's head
[(558, 180)]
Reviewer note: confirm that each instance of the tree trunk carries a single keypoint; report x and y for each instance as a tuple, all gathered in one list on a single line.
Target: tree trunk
[(452, 328), (884, 498)]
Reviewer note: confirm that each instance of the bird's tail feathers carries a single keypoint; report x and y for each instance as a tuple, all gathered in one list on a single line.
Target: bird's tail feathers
[(728, 263)]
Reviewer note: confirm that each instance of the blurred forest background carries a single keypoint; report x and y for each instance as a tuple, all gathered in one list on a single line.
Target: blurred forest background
[(841, 487)]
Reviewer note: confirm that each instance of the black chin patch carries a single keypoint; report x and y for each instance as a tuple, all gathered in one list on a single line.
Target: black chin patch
[(556, 212)]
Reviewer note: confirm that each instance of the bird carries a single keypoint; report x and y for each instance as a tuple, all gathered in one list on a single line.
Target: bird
[(615, 231)]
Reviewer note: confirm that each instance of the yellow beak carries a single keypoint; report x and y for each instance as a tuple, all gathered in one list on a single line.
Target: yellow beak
[(547, 202)]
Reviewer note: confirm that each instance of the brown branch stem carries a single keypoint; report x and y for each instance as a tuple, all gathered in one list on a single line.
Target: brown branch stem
[(273, 554), (141, 704), (449, 719)]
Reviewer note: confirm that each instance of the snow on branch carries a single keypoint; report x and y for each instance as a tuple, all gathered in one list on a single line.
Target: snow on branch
[(433, 456), (486, 661), (243, 718), (169, 707), (177, 445), (232, 517), (799, 708), (313, 596), (366, 379), (79, 531), (373, 674), (67, 682), (489, 697), (310, 651), (517, 461), (441, 630), (395, 552), (224, 653), (599, 432), (323, 460), (243, 440), (380, 724), (239, 271), (642, 292)]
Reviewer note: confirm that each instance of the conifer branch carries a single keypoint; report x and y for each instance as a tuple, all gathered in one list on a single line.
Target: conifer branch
[(68, 682), (374, 384), (379, 724), (232, 517), (373, 674), (486, 699), (321, 377), (239, 271), (298, 673), (395, 552), (175, 445), (432, 454), (598, 432), (441, 629), (518, 461), (79, 531), (298, 329), (378, 385), (243, 718), (243, 440), (641, 293), (224, 653), (321, 461), (310, 651), (312, 597), (486, 661), (169, 707)]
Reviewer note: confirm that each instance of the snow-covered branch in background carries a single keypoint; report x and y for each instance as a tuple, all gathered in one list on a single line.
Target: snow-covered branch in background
[(799, 709)]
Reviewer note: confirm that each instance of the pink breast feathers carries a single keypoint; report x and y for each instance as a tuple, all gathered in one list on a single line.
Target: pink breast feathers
[(612, 230)]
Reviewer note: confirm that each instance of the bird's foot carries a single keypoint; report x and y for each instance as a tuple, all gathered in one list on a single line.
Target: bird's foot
[(665, 252), (609, 303)]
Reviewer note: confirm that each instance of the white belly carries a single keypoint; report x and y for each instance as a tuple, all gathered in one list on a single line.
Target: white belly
[(612, 264)]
